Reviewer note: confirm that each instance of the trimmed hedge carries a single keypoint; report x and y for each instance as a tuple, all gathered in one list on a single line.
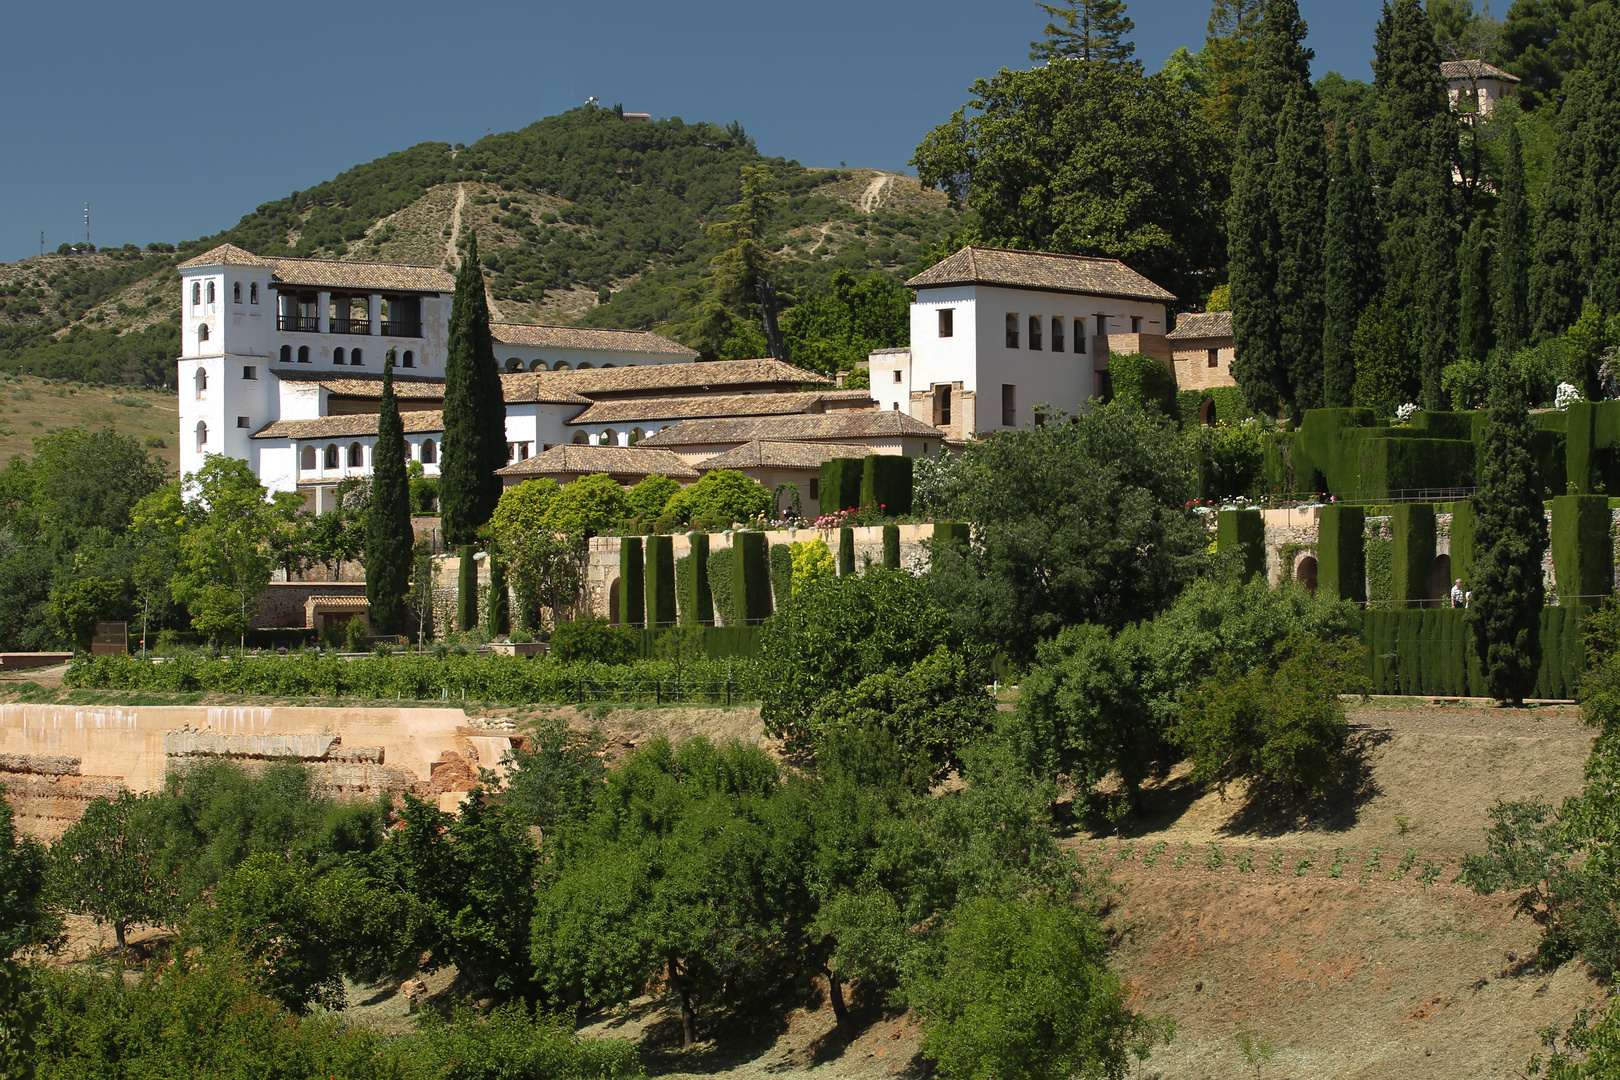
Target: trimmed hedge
[(781, 559), (1393, 463), (632, 583), (466, 588), (1341, 557), (750, 578), (1462, 540), (841, 484), (1230, 406), (1413, 525), (886, 482), (660, 581), (1243, 531), (1276, 462), (721, 586), (1583, 553), (953, 531), (719, 642), (1427, 652), (846, 551), (511, 680), (891, 547), (696, 601), (500, 613)]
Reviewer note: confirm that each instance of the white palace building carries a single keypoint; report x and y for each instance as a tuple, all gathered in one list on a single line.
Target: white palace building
[(281, 366)]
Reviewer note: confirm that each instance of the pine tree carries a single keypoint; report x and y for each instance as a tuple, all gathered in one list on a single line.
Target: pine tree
[(1510, 537), (1254, 239), (1474, 294), (474, 411), (1349, 262), (1557, 285), (1510, 285), (1094, 31), (1299, 192), (1229, 43), (1437, 283), (389, 537), (1406, 72)]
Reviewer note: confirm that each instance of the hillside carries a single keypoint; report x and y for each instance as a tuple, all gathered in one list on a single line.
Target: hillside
[(580, 217), (31, 407)]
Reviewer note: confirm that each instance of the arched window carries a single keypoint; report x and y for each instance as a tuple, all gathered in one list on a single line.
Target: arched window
[(306, 459), (583, 366), (331, 456), (609, 438), (561, 365), (357, 456), (253, 292), (337, 356), (537, 365), (196, 293), (202, 434), (605, 366), (236, 292), (303, 354), (430, 452), (636, 436), (202, 383), (1035, 332), (408, 360), (581, 439), (286, 354), (354, 358), (210, 292), (202, 332), (513, 364)]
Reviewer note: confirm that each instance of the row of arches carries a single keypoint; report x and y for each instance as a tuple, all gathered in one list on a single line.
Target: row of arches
[(355, 358), (609, 437), (333, 456), (236, 292), (514, 365)]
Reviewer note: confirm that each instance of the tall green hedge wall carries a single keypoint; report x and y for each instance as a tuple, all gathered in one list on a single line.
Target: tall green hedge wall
[(632, 583), (1426, 652), (1341, 556), (891, 547), (841, 484), (1413, 525), (697, 603), (1462, 540), (659, 581), (1243, 531), (886, 482), (750, 577), (1583, 553)]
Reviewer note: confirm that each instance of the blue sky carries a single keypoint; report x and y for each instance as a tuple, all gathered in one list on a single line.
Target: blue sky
[(174, 119)]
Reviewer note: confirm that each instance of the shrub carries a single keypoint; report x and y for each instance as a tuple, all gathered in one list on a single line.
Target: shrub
[(723, 498), (720, 586), (781, 573), (1142, 381), (651, 496), (594, 640), (812, 561), (588, 506)]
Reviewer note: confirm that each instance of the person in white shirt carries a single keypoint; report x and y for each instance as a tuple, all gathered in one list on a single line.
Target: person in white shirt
[(1458, 597)]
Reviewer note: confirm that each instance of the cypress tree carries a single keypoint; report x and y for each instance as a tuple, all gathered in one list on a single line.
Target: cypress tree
[(389, 539), (1437, 284), (1299, 194), (1349, 261), (1510, 285), (1598, 240), (1474, 294), (1510, 538), (1406, 69), (474, 411), (1254, 238)]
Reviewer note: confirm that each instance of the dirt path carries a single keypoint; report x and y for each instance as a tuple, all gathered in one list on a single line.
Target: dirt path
[(450, 254), (869, 197)]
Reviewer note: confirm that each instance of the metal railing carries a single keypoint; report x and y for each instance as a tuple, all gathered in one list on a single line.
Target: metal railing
[(401, 329), (351, 326), (1400, 495), (308, 324)]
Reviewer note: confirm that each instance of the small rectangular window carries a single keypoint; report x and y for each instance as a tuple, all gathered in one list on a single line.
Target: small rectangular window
[(1136, 324), (1012, 330), (897, 376), (947, 322), (1080, 336), (250, 373), (1035, 332), (1214, 358), (1009, 405), (815, 487), (1057, 334), (241, 421), (1102, 325)]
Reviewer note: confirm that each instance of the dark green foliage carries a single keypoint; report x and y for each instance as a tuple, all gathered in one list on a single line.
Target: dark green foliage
[(1142, 381), (781, 574), (1510, 536), (841, 484), (953, 532), (145, 356), (1095, 32), (499, 606), (650, 497), (750, 577), (389, 537), (1436, 290), (1341, 565), (1474, 333), (696, 602), (1510, 286), (1349, 261), (1076, 522), (1543, 42), (1557, 271), (592, 640), (832, 330), (891, 547), (1299, 194), (846, 551), (632, 583), (25, 919), (1462, 541), (1091, 161), (721, 586), (660, 581), (1582, 550), (1281, 724), (106, 866), (1344, 451), (1413, 525), (466, 588), (886, 483), (1599, 246), (1385, 359), (724, 497), (1242, 534), (474, 410)]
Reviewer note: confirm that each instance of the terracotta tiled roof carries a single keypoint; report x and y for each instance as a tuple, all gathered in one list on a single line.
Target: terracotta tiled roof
[(406, 388), (631, 410), (649, 379), (819, 427), (573, 459), (1474, 69), (781, 455), (531, 386), (1041, 270), (342, 427), (332, 273), (1202, 324), (351, 603), (582, 337)]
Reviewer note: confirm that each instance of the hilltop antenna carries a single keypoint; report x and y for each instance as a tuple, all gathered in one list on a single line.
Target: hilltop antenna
[(86, 224), (42, 243)]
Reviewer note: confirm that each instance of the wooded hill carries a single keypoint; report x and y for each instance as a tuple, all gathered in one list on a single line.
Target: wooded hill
[(581, 217)]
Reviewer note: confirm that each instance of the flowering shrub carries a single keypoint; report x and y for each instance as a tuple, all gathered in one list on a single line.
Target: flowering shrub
[(870, 514), (1567, 396), (1404, 413)]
